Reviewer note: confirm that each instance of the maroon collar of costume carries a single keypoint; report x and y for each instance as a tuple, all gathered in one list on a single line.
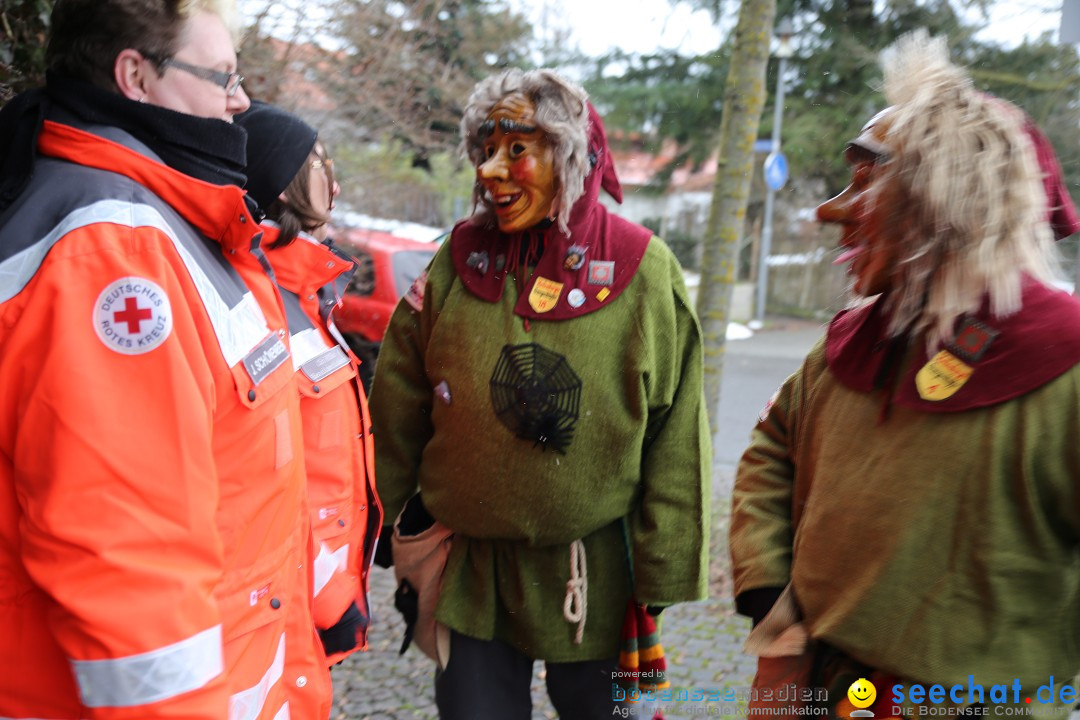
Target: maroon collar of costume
[(610, 250), (1022, 352)]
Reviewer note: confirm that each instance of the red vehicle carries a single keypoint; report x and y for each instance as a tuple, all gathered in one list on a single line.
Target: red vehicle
[(386, 267)]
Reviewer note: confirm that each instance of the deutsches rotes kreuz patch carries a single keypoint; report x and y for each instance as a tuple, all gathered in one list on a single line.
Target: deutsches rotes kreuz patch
[(133, 316)]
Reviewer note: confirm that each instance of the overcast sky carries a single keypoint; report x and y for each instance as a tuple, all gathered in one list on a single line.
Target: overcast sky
[(644, 26), (638, 26)]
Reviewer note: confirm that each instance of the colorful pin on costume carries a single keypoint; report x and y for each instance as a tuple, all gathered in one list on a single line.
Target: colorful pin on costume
[(601, 272), (415, 295), (940, 378), (576, 298), (478, 261), (575, 257), (544, 294), (973, 339), (442, 391)]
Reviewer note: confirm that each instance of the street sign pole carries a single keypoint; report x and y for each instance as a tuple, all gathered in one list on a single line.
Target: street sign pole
[(778, 179)]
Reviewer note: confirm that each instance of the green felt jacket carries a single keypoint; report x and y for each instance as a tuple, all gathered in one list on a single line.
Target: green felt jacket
[(639, 456), (931, 546)]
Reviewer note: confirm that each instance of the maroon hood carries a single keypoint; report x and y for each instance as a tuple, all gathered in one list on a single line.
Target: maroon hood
[(1061, 213)]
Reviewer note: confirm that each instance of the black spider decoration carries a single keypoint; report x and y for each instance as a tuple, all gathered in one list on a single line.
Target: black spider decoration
[(536, 395)]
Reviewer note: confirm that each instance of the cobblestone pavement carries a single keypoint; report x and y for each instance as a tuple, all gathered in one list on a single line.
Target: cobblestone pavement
[(703, 642)]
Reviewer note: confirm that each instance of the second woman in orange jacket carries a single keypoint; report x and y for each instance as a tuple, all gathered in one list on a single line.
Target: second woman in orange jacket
[(291, 179)]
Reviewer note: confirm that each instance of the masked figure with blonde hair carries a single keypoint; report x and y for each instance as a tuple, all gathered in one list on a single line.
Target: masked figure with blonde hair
[(910, 497)]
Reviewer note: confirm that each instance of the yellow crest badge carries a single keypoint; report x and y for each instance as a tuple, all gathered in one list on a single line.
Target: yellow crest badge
[(940, 378), (545, 294)]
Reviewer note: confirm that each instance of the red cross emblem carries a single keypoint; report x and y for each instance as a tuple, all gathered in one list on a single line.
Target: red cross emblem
[(132, 314)]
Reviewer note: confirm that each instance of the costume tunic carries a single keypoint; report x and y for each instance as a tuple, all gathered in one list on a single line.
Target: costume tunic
[(929, 544), (639, 450)]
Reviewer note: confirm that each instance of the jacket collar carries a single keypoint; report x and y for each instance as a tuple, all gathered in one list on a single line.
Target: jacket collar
[(218, 211), (304, 265)]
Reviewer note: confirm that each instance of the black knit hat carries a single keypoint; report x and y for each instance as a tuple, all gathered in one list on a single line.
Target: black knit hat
[(278, 144)]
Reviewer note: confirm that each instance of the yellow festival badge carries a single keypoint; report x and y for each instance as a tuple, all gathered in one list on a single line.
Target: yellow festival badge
[(940, 378), (545, 294)]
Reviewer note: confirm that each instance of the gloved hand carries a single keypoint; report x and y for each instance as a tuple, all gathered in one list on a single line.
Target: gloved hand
[(384, 550), (341, 636), (407, 603), (757, 603)]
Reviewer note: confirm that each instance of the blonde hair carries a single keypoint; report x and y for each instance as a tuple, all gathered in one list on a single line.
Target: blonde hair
[(970, 199), (562, 113), (224, 9)]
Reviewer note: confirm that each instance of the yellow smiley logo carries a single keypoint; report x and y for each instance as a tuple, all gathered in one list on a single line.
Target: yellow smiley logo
[(862, 693)]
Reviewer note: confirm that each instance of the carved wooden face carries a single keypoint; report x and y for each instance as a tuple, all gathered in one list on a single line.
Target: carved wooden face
[(867, 212), (518, 170)]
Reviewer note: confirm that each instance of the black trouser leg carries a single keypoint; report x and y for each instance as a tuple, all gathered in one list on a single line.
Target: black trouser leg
[(582, 690), (484, 680)]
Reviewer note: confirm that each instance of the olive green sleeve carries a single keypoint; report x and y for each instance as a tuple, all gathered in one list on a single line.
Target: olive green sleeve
[(401, 395), (670, 529), (762, 526)]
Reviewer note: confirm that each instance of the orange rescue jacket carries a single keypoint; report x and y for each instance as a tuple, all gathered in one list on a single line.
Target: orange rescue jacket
[(154, 544), (345, 512)]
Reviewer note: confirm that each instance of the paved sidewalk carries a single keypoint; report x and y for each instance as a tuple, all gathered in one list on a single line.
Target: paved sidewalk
[(703, 643)]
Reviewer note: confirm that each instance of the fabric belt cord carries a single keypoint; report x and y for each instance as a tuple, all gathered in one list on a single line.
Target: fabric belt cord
[(248, 704), (327, 563), (153, 676), (575, 604)]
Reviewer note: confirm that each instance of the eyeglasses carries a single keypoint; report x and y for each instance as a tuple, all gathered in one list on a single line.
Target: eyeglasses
[(230, 82), (326, 164)]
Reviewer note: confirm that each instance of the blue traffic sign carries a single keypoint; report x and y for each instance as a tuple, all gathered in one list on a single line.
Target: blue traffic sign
[(776, 170)]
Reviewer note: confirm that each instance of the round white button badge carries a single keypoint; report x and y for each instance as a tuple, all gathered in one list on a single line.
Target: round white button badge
[(133, 316)]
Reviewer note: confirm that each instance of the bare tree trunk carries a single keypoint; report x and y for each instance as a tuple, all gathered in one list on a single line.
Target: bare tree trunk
[(744, 98)]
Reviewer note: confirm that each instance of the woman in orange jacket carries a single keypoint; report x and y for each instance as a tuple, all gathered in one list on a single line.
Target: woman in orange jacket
[(291, 178), (154, 542)]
